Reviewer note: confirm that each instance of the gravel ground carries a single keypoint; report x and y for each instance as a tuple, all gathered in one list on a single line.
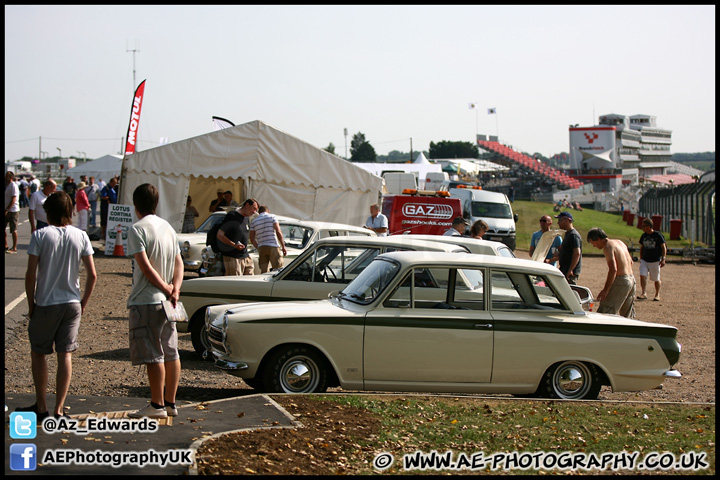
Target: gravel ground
[(101, 366)]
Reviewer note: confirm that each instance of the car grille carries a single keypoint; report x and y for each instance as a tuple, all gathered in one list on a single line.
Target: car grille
[(216, 336)]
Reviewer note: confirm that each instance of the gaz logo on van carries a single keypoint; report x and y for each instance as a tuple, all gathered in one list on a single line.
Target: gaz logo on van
[(426, 210)]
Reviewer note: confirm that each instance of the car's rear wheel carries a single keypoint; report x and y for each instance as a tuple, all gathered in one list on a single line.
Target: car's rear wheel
[(572, 380), (296, 369)]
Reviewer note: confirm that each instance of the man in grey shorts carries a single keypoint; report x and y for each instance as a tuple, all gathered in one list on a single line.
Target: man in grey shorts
[(618, 293), (157, 276), (52, 286)]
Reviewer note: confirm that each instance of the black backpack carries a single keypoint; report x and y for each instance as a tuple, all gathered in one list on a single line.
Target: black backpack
[(211, 238)]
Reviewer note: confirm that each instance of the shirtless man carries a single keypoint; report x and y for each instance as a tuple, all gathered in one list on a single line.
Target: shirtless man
[(618, 294)]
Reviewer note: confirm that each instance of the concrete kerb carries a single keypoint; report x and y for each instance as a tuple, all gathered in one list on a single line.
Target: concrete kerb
[(193, 469)]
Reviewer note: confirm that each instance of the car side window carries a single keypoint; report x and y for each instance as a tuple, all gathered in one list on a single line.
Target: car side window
[(332, 264), (513, 290), (469, 289), (422, 288)]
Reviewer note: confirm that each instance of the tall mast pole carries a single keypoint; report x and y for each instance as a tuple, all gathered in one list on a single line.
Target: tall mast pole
[(135, 50)]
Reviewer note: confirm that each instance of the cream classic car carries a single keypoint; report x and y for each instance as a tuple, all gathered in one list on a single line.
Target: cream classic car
[(298, 234), (328, 264), (439, 322)]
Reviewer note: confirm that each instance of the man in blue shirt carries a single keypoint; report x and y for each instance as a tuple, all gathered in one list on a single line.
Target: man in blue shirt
[(545, 224), (108, 195)]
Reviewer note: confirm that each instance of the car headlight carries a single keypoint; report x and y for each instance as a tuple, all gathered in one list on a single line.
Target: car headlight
[(186, 247)]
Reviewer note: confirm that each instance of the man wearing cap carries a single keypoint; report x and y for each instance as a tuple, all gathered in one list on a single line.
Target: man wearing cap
[(569, 254), (458, 228), (217, 204)]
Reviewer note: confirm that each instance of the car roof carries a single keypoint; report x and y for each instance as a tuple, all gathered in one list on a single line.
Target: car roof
[(481, 195), (471, 260), (393, 241), (319, 225), (475, 245)]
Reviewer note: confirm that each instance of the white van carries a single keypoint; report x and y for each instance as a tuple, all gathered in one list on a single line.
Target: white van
[(396, 182), (434, 180), (492, 207)]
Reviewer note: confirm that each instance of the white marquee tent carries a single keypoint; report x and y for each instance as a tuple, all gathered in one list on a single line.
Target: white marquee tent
[(104, 168), (290, 176)]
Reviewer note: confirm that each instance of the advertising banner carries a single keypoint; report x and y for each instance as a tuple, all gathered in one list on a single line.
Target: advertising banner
[(120, 219), (130, 146)]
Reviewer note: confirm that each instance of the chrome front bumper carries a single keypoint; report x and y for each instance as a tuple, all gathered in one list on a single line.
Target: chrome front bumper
[(672, 374), (231, 366)]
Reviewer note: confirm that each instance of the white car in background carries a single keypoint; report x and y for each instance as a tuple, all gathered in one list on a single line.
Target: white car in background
[(482, 247), (298, 235), (192, 244)]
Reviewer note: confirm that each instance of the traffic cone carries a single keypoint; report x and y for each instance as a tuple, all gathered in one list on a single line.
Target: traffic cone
[(118, 250)]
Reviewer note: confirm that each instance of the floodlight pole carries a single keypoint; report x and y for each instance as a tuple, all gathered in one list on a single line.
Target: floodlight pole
[(136, 49)]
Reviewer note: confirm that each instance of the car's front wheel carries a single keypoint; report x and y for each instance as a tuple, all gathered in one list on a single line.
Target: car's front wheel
[(296, 369), (572, 380), (198, 333)]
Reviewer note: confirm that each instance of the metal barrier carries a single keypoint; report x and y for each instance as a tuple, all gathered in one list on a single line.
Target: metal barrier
[(692, 203)]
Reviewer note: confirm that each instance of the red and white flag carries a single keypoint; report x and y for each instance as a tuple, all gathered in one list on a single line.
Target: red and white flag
[(130, 146)]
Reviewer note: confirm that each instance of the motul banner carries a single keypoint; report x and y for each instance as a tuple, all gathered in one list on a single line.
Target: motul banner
[(130, 146)]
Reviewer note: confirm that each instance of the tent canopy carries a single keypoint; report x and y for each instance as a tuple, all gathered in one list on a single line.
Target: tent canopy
[(104, 168), (422, 159), (290, 176)]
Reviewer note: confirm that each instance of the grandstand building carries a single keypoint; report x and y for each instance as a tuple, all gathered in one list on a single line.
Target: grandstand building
[(619, 151)]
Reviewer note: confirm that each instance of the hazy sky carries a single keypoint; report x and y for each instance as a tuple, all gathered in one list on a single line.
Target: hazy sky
[(391, 72)]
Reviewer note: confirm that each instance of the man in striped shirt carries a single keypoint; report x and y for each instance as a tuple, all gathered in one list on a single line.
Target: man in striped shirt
[(266, 236)]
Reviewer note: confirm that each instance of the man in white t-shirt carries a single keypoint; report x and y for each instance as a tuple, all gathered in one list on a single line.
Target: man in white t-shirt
[(157, 276), (36, 213), (55, 304), (266, 236)]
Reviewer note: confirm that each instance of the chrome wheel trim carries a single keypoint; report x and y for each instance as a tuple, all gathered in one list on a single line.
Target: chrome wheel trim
[(300, 374), (572, 380)]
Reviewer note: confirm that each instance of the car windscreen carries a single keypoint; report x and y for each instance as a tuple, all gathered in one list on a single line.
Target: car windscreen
[(371, 282), (491, 210), (209, 223), (296, 236)]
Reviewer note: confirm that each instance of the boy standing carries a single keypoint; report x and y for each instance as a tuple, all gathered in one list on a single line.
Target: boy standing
[(52, 286), (157, 276)]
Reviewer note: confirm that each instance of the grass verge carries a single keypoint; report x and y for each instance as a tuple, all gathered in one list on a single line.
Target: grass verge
[(668, 437), (529, 214)]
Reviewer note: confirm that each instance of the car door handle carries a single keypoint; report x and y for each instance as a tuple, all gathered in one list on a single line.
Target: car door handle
[(483, 325)]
